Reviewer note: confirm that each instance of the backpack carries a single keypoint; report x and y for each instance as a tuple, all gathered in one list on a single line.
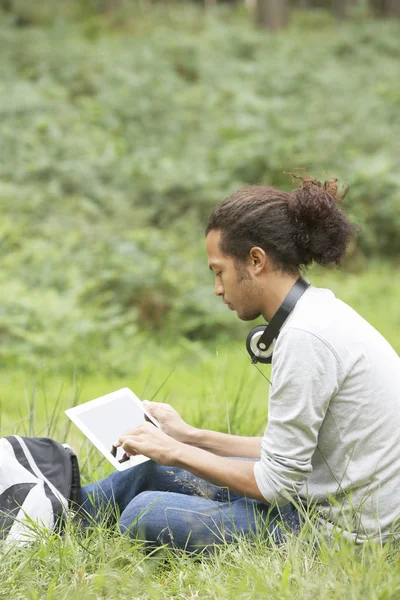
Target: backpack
[(39, 482)]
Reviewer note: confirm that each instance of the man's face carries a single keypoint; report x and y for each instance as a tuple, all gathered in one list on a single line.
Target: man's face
[(233, 282)]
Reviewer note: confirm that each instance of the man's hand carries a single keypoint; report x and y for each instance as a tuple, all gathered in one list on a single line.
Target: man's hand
[(171, 422), (151, 442)]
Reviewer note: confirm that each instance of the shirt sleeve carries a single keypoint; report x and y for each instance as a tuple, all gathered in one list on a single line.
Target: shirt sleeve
[(306, 375)]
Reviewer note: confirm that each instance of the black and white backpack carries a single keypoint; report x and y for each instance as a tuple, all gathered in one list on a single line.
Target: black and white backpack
[(39, 482)]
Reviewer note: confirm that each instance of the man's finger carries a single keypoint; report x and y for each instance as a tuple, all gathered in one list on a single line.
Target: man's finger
[(124, 438), (149, 406), (129, 443), (130, 433)]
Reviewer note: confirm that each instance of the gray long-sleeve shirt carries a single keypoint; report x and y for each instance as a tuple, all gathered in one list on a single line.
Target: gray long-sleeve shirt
[(333, 433)]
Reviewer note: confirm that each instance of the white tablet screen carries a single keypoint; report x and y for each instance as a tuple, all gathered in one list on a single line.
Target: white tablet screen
[(105, 419)]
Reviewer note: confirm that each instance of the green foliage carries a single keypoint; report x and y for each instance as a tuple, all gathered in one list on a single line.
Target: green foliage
[(116, 144)]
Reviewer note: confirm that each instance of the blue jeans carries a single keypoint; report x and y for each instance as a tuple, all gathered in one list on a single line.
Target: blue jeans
[(166, 505)]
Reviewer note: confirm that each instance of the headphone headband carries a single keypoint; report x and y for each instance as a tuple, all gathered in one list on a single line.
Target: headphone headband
[(261, 338)]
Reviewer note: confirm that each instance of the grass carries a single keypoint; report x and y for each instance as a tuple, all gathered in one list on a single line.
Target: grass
[(103, 564), (212, 387)]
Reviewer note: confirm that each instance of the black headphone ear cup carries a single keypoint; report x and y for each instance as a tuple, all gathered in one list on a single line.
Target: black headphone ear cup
[(251, 346)]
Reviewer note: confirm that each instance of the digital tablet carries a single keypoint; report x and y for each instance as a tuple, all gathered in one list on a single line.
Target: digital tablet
[(105, 419)]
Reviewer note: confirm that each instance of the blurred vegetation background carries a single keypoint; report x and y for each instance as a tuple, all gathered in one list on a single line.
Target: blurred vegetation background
[(123, 123)]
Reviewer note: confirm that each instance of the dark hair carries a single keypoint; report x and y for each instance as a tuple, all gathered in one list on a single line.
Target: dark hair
[(294, 228)]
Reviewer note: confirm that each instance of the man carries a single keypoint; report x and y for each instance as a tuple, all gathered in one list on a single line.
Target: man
[(333, 438)]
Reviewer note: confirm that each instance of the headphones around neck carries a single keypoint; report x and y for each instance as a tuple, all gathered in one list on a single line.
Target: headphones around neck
[(260, 341)]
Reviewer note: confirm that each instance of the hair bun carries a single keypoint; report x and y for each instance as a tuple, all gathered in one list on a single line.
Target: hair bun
[(322, 230), (313, 199)]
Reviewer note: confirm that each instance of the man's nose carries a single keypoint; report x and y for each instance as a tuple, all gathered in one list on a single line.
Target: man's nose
[(218, 289)]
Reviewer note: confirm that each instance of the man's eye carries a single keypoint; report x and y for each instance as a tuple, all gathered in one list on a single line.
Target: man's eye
[(218, 273)]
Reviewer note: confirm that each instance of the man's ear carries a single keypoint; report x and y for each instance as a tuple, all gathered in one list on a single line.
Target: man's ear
[(258, 260)]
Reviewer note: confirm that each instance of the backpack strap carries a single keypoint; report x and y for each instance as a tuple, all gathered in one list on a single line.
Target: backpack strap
[(75, 487)]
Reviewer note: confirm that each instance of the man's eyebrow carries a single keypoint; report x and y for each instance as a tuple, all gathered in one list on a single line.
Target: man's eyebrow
[(211, 266)]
